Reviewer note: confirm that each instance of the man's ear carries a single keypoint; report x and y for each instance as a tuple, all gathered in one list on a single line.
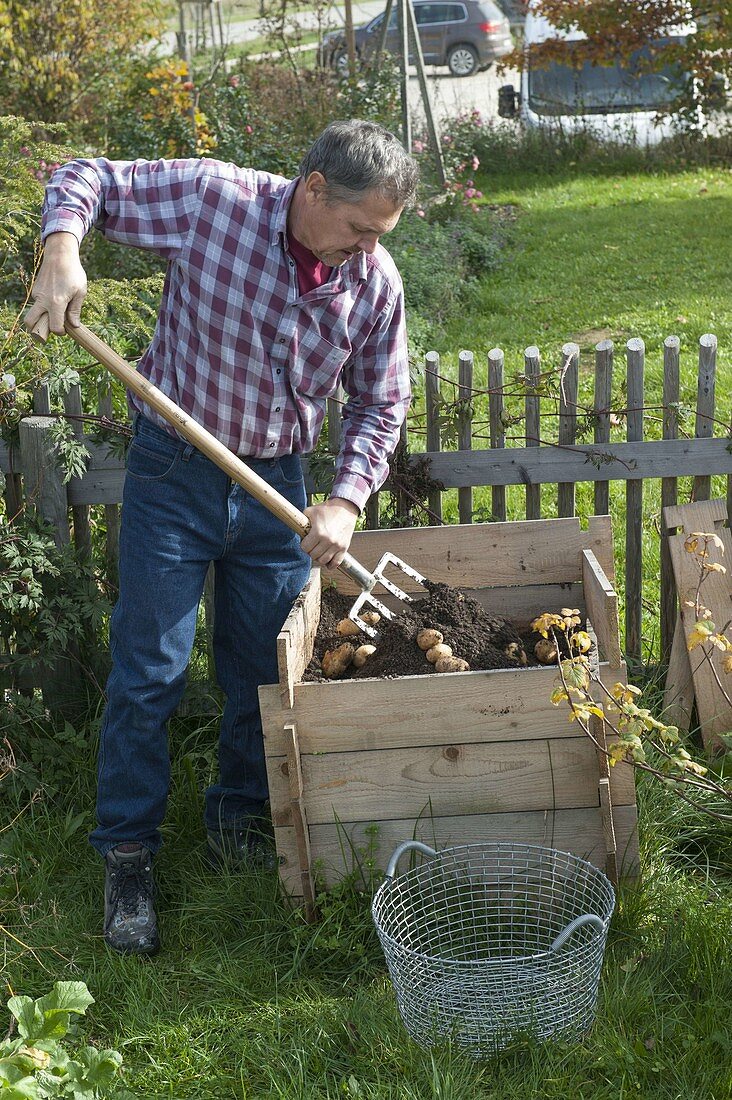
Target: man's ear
[(316, 187)]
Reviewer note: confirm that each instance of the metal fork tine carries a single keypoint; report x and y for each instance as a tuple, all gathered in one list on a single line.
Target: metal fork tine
[(377, 577)]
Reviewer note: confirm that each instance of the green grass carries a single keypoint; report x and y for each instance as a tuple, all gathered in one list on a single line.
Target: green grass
[(248, 1001)]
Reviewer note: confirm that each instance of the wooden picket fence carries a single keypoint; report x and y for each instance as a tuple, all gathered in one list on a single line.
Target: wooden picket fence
[(535, 452)]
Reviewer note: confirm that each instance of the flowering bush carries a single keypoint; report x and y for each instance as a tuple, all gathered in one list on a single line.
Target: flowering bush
[(155, 113), (459, 156)]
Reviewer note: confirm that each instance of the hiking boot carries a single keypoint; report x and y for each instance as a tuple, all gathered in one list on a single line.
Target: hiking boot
[(130, 925), (248, 845)]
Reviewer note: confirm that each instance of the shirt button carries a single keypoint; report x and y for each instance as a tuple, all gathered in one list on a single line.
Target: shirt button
[(279, 371), (281, 339), (277, 409), (271, 444)]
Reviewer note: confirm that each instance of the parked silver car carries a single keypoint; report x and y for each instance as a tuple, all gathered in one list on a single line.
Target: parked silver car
[(465, 35)]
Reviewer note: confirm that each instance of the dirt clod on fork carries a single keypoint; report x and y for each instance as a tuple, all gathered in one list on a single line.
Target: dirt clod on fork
[(483, 639)]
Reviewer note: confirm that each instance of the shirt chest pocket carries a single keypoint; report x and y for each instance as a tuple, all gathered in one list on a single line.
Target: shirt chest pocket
[(316, 367)]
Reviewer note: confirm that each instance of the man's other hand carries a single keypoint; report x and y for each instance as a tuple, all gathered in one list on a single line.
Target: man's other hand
[(60, 285)]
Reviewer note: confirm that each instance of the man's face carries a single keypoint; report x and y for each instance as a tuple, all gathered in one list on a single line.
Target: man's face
[(337, 230)]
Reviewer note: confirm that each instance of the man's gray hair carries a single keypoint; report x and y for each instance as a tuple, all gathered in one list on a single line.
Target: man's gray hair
[(356, 156)]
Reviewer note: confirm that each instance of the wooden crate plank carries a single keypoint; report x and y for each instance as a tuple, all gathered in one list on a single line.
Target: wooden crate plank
[(297, 637), (409, 711), (678, 695), (578, 831), (480, 555), (475, 778), (602, 609), (713, 710)]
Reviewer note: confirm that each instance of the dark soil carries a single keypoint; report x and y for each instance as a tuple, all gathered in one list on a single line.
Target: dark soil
[(484, 640)]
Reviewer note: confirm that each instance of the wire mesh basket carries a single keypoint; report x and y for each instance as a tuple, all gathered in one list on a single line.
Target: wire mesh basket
[(486, 943)]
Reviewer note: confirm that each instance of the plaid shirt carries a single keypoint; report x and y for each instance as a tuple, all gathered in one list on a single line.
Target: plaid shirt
[(236, 345)]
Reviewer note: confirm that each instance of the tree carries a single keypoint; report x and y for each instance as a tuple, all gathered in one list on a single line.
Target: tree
[(618, 29), (55, 55)]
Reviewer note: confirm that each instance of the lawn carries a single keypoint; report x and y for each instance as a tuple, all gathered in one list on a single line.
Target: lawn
[(246, 1001)]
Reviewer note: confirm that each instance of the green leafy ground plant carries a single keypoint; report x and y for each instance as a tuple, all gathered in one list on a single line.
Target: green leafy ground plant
[(36, 1064)]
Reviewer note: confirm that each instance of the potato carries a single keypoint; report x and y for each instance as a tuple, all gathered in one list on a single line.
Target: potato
[(346, 627), (362, 654), (515, 652), (336, 661), (427, 638), (451, 664), (546, 651), (437, 651), (370, 617)]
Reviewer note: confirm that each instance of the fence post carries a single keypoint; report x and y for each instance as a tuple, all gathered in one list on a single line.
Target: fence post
[(603, 400), (532, 370), (432, 408), (634, 505), (669, 493), (568, 421), (465, 425), (45, 491), (704, 428), (497, 427)]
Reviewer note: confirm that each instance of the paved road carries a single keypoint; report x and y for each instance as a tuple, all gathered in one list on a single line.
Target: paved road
[(449, 95)]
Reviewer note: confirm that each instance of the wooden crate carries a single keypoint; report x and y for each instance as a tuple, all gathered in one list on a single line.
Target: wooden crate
[(450, 758)]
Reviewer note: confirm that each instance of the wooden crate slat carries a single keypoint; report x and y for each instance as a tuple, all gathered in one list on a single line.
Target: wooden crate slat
[(578, 831), (713, 710), (477, 555), (409, 711), (602, 608), (483, 777)]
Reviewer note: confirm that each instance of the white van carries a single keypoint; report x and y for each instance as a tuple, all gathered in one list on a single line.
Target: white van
[(615, 101)]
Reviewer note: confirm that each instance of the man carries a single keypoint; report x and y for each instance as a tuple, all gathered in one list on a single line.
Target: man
[(275, 292)]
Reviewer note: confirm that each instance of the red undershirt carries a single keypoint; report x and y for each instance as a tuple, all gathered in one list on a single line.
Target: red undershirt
[(311, 272)]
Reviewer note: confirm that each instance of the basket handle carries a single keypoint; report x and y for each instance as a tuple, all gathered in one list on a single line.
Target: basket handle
[(407, 846), (578, 922)]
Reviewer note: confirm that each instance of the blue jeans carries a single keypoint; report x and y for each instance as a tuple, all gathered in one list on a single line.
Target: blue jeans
[(180, 512)]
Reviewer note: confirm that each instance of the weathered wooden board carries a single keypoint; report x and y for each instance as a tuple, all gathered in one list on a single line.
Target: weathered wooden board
[(602, 608), (491, 777), (629, 461), (413, 711), (296, 639), (490, 555), (338, 847), (708, 516)]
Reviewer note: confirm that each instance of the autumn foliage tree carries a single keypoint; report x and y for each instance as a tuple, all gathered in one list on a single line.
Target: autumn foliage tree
[(617, 29), (57, 57)]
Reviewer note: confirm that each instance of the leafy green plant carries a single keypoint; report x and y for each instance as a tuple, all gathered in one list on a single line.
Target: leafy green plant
[(36, 1064), (615, 719)]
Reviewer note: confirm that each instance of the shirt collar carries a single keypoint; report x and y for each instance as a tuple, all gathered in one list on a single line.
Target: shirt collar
[(279, 219)]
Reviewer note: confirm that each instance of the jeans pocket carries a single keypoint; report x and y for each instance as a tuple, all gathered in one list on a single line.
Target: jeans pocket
[(150, 463), (288, 470)]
